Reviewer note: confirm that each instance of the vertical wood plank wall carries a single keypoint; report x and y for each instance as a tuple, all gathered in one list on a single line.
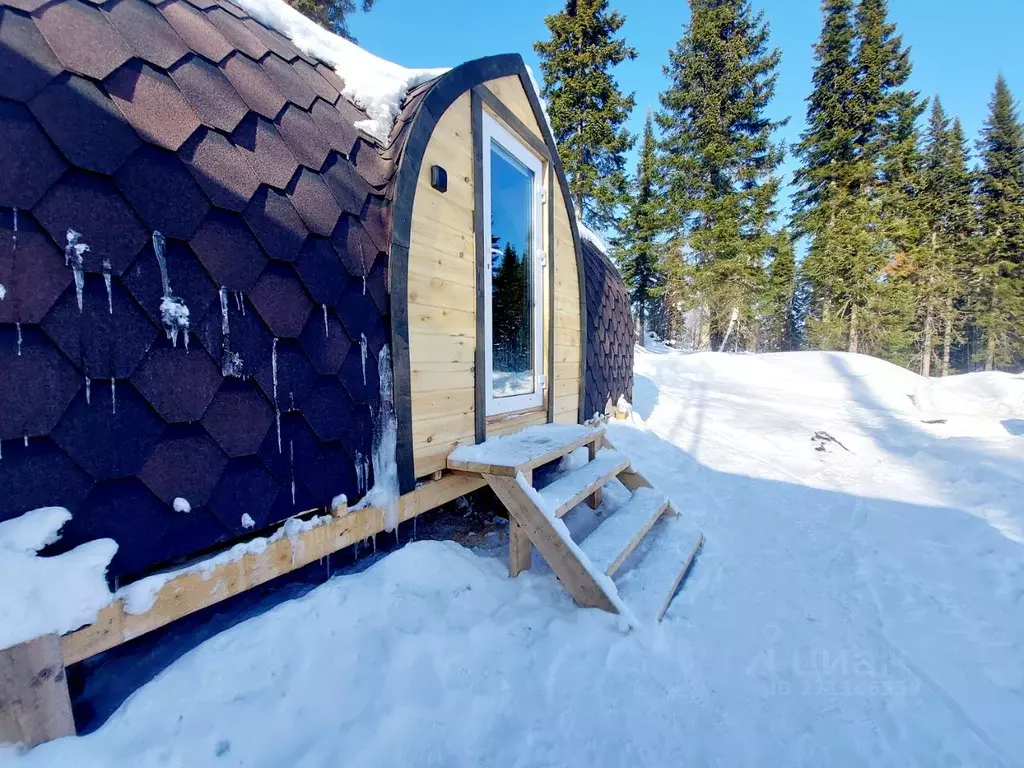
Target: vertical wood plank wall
[(442, 295)]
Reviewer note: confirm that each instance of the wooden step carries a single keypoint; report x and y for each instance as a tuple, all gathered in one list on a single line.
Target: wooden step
[(648, 588), (609, 545), (522, 451), (569, 490), (589, 587)]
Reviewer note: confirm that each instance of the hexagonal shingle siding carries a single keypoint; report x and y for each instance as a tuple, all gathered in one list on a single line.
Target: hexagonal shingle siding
[(189, 118), (610, 334)]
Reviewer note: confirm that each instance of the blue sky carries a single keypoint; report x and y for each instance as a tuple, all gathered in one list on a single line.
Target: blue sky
[(958, 46)]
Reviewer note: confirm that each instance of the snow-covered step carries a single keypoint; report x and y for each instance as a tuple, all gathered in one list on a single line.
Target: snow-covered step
[(649, 587), (609, 545), (523, 450), (568, 491)]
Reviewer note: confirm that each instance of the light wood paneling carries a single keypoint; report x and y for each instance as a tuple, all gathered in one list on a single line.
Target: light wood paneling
[(442, 295)]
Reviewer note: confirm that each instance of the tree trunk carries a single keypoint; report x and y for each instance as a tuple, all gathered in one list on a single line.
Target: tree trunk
[(947, 337), (853, 329), (704, 332), (990, 353), (642, 320), (728, 331), (926, 346)]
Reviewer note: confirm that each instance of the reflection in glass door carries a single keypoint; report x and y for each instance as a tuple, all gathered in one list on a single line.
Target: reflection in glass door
[(513, 306)]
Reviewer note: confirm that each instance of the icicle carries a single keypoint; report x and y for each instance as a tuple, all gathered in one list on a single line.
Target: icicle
[(384, 493), (106, 281), (88, 391), (230, 362), (362, 347), (277, 409), (173, 311), (240, 298), (25, 439), (291, 462), (15, 236), (74, 256), (327, 329), (18, 327), (3, 291), (1, 449), (113, 395), (362, 472), (364, 285)]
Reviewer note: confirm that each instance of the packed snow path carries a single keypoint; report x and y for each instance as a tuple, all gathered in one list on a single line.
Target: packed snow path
[(851, 606)]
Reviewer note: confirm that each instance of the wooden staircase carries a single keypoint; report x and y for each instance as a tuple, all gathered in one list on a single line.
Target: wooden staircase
[(591, 569)]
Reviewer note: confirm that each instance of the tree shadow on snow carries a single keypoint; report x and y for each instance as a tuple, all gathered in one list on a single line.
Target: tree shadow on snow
[(803, 573), (1014, 426)]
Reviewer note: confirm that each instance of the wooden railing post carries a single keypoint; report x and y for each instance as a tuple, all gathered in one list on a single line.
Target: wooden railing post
[(34, 702)]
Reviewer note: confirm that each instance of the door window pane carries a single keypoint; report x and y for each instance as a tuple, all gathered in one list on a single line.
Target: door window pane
[(511, 275)]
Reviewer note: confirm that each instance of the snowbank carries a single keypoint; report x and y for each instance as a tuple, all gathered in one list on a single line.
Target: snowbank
[(991, 395), (374, 85), (43, 595)]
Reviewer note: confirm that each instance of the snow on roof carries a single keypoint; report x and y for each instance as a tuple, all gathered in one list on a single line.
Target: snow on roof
[(374, 85), (592, 237), (44, 595)]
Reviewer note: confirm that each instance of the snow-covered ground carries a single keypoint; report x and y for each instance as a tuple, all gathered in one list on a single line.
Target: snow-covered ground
[(859, 601)]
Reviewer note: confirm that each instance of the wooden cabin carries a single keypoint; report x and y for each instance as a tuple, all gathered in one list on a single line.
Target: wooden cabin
[(205, 262)]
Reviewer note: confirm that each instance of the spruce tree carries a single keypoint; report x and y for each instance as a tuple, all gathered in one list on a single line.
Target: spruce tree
[(885, 114), (637, 244), (588, 111), (961, 223), (944, 203), (778, 309), (825, 180), (857, 184), (720, 159), (331, 14), (999, 270)]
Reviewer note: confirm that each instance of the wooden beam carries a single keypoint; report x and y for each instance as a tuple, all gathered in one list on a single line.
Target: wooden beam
[(194, 590), (570, 571), (34, 701), (520, 550), (595, 498)]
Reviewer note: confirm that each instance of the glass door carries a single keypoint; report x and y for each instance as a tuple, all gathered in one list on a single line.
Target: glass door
[(514, 316)]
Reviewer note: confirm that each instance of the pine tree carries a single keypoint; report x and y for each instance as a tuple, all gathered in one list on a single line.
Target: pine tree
[(587, 110), (637, 245), (720, 159), (331, 14), (999, 270)]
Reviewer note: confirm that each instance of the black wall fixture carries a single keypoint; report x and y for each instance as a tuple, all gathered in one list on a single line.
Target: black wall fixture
[(439, 178)]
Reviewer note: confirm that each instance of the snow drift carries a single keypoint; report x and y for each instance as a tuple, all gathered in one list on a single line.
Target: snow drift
[(43, 595)]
